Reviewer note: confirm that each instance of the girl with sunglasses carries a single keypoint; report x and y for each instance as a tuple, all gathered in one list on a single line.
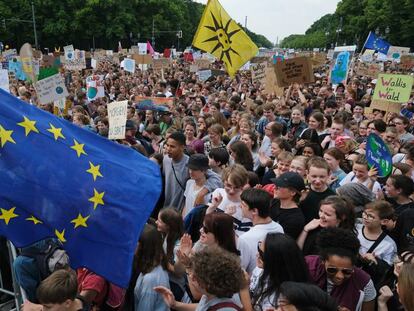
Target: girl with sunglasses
[(334, 270), (279, 259)]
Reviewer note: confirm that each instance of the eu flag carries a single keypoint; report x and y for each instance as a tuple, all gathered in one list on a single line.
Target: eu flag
[(58, 180), (376, 43)]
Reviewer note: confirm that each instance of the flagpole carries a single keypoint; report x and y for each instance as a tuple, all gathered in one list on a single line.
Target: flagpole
[(366, 41)]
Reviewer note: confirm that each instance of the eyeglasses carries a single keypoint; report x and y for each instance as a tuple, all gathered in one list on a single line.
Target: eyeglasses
[(335, 270), (259, 250), (367, 216)]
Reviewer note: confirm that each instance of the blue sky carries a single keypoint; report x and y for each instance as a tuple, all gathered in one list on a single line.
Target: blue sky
[(277, 18)]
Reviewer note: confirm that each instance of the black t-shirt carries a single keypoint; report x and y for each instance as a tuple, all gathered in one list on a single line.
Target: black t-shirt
[(310, 205), (403, 233), (291, 219), (310, 247)]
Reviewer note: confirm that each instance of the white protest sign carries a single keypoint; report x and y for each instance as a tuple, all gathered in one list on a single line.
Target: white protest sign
[(93, 63), (368, 56), (51, 89), (69, 52), (4, 80), (142, 48), (193, 68), (109, 52), (60, 103), (95, 87), (203, 75), (117, 113), (129, 65)]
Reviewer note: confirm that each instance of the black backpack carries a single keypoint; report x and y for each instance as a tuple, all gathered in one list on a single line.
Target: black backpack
[(49, 256)]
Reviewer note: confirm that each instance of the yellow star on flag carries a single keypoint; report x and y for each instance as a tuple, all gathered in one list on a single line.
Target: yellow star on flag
[(78, 148), (80, 221), (56, 131), (34, 219), (6, 215), (5, 136), (28, 125), (97, 198), (219, 34), (94, 170), (60, 235)]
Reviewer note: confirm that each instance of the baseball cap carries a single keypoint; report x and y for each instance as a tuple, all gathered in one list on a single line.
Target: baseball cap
[(198, 161), (289, 180)]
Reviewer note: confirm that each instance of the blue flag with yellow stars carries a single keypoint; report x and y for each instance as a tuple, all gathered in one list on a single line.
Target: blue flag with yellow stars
[(376, 43), (59, 180)]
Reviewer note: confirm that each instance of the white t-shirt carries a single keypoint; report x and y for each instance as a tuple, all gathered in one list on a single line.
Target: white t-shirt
[(385, 250), (191, 191), (350, 177), (266, 303), (241, 223)]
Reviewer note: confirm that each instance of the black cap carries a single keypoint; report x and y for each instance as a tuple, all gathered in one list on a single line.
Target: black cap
[(198, 161), (290, 180)]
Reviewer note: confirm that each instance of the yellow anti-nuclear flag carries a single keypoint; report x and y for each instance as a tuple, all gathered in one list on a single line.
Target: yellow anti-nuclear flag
[(220, 35)]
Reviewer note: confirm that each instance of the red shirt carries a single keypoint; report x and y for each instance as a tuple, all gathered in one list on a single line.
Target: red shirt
[(87, 280)]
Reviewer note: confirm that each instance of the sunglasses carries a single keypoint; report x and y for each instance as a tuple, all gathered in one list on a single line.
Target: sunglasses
[(261, 253), (335, 270)]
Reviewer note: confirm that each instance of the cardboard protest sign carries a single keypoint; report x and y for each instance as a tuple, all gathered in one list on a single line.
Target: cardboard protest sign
[(259, 59), (4, 80), (407, 62), (202, 63), (386, 106), (95, 87), (395, 52), (318, 59), (129, 65), (378, 155), (393, 88), (193, 68), (161, 63), (270, 83), (258, 72), (368, 70), (203, 75), (51, 89), (117, 117), (142, 59), (298, 69)]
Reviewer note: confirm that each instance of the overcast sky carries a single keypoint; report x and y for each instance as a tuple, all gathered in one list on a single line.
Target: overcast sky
[(277, 18)]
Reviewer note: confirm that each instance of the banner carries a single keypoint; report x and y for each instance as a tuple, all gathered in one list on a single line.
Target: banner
[(4, 80), (95, 87), (51, 89), (117, 117), (258, 72), (378, 155), (393, 88), (298, 69)]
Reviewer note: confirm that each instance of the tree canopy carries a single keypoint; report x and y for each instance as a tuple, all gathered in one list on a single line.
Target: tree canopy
[(89, 23), (354, 19)]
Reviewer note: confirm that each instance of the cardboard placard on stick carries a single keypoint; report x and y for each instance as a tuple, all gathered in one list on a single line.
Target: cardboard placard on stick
[(142, 59), (258, 72), (298, 69), (160, 63), (270, 84), (117, 117)]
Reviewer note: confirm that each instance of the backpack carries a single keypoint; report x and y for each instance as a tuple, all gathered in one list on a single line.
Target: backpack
[(48, 255), (225, 304)]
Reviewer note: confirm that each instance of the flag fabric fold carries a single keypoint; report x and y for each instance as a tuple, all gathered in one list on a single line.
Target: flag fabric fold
[(219, 35), (374, 42), (58, 180), (150, 50)]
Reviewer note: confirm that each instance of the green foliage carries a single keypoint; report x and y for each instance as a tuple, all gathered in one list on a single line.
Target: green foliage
[(105, 22), (359, 17)]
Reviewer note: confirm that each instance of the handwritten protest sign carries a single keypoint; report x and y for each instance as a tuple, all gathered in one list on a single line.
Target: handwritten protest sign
[(318, 59), (95, 87), (368, 70), (395, 52), (161, 63), (142, 48), (386, 106), (393, 88), (129, 65), (51, 89), (202, 63), (270, 83), (69, 52), (203, 75), (407, 62), (378, 155), (117, 113), (142, 59), (77, 61), (258, 72), (4, 80), (298, 69)]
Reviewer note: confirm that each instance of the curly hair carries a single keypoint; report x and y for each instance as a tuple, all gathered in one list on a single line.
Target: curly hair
[(218, 272), (338, 241)]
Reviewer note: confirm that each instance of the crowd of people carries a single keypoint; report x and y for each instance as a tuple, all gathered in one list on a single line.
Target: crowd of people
[(268, 201)]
